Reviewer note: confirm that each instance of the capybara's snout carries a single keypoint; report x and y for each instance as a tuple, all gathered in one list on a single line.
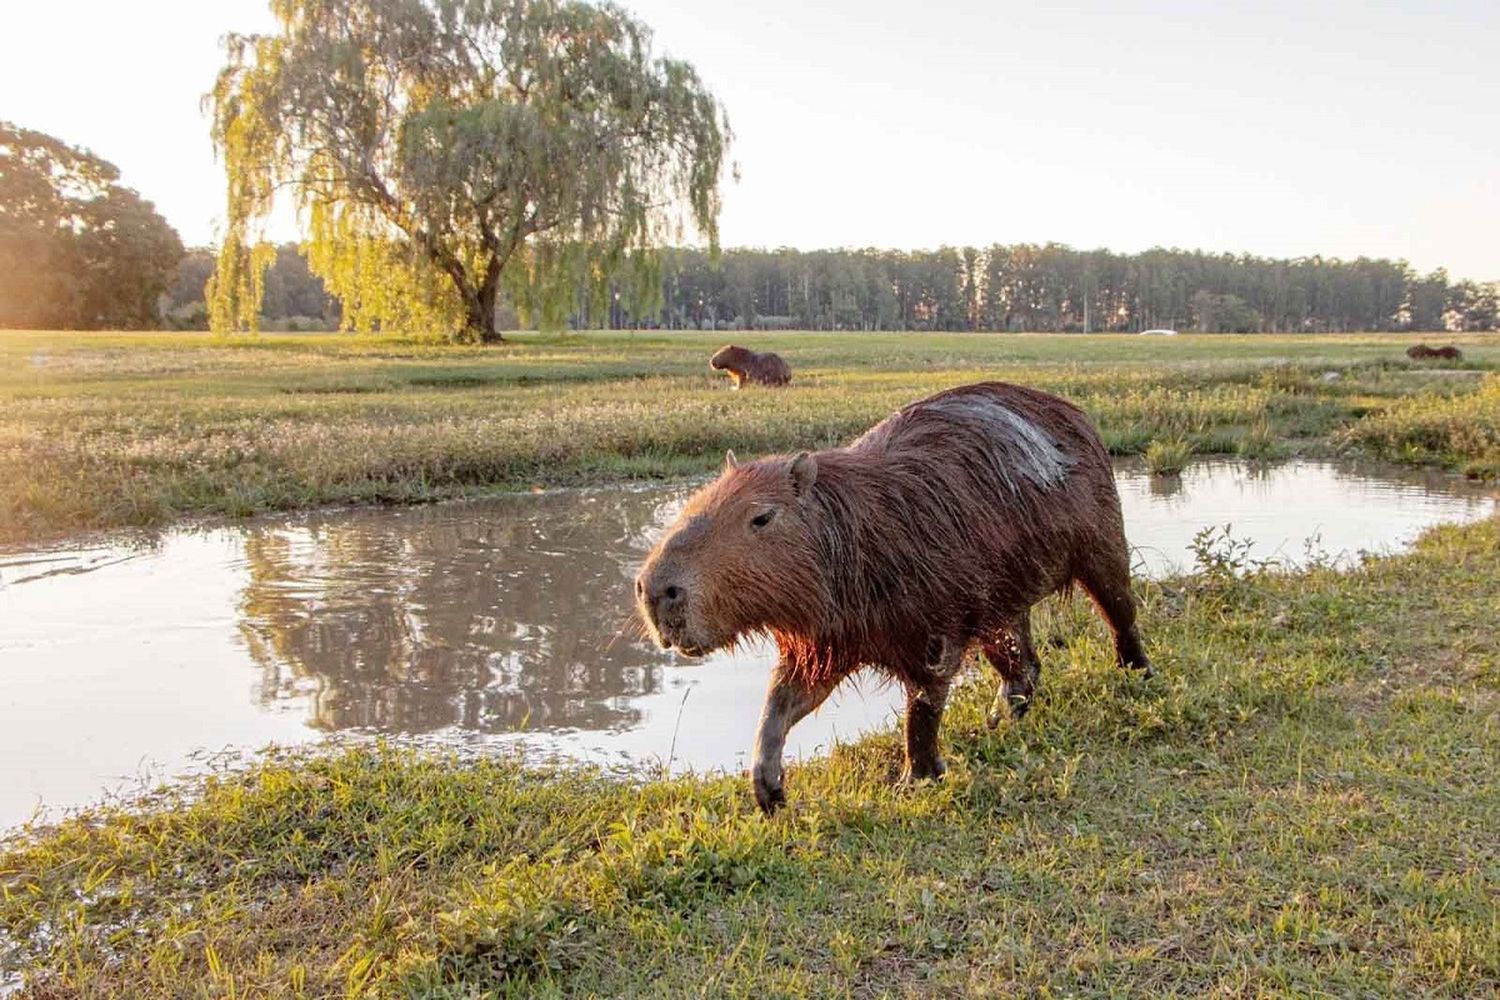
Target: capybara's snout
[(661, 596)]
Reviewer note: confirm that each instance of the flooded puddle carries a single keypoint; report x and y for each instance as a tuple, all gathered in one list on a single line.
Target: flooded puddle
[(489, 624)]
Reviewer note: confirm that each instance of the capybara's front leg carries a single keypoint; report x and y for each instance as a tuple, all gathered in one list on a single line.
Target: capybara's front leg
[(787, 702), (924, 714)]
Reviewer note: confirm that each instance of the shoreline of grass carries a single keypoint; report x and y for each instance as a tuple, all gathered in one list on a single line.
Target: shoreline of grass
[(114, 430), (1302, 802)]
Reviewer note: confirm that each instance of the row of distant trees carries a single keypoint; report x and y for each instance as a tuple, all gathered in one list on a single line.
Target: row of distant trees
[(1050, 288), (1056, 288)]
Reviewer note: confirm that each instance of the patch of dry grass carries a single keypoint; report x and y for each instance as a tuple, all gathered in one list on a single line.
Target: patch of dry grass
[(104, 430)]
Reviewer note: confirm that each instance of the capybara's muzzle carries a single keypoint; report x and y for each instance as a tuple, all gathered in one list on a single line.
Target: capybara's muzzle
[(663, 605)]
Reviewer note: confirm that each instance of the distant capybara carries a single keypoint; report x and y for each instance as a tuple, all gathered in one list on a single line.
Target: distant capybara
[(939, 527), (747, 366), (1422, 352)]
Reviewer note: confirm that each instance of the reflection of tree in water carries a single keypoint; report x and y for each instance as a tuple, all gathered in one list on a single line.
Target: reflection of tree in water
[(491, 616)]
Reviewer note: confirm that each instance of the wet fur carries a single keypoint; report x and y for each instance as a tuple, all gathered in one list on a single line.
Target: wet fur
[(939, 523), (938, 528), (743, 365)]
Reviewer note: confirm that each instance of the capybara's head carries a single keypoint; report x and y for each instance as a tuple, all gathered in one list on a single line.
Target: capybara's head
[(741, 558), (725, 356)]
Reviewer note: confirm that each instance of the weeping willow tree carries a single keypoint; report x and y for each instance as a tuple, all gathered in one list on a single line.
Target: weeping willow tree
[(444, 151)]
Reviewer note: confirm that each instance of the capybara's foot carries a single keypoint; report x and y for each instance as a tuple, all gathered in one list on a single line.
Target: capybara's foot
[(1131, 656), (1141, 663), (916, 771), (770, 793), (1012, 701)]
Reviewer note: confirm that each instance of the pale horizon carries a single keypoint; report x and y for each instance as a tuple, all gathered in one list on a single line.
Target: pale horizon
[(1277, 130)]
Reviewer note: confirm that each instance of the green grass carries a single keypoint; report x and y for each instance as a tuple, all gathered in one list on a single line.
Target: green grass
[(108, 430), (1302, 803), (1463, 428)]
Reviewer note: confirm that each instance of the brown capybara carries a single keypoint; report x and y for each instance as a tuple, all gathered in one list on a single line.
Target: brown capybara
[(1422, 352), (939, 527), (744, 365)]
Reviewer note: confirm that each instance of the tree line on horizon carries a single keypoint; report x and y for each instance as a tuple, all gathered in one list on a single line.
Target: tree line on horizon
[(1054, 288), (78, 250), (1047, 288)]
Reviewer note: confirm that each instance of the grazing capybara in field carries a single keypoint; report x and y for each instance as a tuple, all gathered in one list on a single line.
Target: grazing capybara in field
[(744, 365), (939, 527), (1422, 352)]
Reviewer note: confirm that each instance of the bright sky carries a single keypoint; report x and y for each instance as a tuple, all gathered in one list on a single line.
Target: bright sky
[(1281, 127)]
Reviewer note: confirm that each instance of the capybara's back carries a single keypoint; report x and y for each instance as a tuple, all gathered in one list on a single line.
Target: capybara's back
[(1012, 496)]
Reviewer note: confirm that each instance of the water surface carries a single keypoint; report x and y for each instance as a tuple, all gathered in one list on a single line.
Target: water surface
[(489, 623)]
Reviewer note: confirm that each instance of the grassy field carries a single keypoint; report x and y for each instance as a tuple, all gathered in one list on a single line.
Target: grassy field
[(1302, 803), (106, 430)]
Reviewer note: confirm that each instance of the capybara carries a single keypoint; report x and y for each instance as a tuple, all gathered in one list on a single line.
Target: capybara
[(744, 365), (1422, 352), (939, 527)]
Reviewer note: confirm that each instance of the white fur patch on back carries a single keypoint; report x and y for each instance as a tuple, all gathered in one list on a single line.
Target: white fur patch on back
[(1022, 449)]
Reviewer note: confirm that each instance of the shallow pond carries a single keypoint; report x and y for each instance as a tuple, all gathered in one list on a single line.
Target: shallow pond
[(490, 623)]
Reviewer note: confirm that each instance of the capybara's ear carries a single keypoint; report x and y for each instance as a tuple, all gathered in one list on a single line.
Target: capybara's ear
[(804, 472), (730, 462)]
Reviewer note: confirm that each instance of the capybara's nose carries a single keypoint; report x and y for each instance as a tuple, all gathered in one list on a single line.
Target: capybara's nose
[(664, 598)]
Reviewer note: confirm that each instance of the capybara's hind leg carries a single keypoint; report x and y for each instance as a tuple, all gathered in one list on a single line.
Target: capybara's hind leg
[(1014, 658), (924, 714), (1107, 579)]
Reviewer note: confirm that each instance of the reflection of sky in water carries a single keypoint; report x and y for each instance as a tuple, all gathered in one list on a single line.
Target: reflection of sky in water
[(486, 623), (1289, 511)]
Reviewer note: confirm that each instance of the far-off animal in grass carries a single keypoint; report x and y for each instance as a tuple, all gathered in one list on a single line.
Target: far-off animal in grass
[(1421, 352), (937, 529), (744, 365)]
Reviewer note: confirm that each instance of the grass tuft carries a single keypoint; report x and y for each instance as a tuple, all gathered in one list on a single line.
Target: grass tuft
[(1168, 457)]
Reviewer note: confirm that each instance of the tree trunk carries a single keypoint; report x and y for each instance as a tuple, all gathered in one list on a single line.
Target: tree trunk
[(479, 319), (480, 306)]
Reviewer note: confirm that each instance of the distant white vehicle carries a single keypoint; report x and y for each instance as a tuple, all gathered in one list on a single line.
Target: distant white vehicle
[(1158, 333)]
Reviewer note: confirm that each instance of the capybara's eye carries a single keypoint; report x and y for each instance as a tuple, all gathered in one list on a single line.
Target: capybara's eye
[(762, 519)]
